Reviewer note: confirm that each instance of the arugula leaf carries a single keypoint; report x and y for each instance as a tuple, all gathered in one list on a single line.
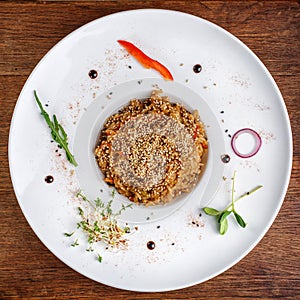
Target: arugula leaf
[(57, 132)]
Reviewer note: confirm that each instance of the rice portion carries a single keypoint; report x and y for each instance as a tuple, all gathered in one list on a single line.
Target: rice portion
[(151, 150)]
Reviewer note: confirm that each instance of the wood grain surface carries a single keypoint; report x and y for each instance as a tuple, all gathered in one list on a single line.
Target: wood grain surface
[(28, 29)]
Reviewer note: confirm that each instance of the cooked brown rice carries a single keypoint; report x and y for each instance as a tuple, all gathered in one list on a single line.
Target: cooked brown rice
[(151, 150)]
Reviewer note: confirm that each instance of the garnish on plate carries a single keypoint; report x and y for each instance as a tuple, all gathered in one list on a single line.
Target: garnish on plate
[(57, 131), (101, 223), (257, 139), (68, 234), (145, 60), (99, 258), (75, 243), (221, 216)]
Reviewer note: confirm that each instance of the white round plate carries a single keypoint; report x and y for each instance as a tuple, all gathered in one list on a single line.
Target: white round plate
[(233, 91)]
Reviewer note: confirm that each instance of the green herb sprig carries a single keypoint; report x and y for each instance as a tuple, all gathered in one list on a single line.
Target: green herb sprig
[(57, 132), (221, 216)]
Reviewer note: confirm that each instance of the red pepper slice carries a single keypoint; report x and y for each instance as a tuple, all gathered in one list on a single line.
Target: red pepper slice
[(196, 132), (145, 60)]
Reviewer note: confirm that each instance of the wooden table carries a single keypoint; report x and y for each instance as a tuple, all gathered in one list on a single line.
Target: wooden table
[(28, 29)]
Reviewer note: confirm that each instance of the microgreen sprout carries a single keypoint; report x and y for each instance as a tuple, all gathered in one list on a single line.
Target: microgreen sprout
[(68, 234), (99, 258), (75, 243), (99, 222), (222, 215)]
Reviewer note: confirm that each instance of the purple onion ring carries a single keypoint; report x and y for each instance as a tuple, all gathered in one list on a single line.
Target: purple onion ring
[(258, 142)]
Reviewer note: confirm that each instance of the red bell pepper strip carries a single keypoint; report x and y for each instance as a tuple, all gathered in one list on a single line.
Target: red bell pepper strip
[(196, 132), (145, 60)]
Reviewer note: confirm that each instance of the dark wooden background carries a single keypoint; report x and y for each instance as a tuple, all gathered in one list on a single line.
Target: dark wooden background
[(28, 29)]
